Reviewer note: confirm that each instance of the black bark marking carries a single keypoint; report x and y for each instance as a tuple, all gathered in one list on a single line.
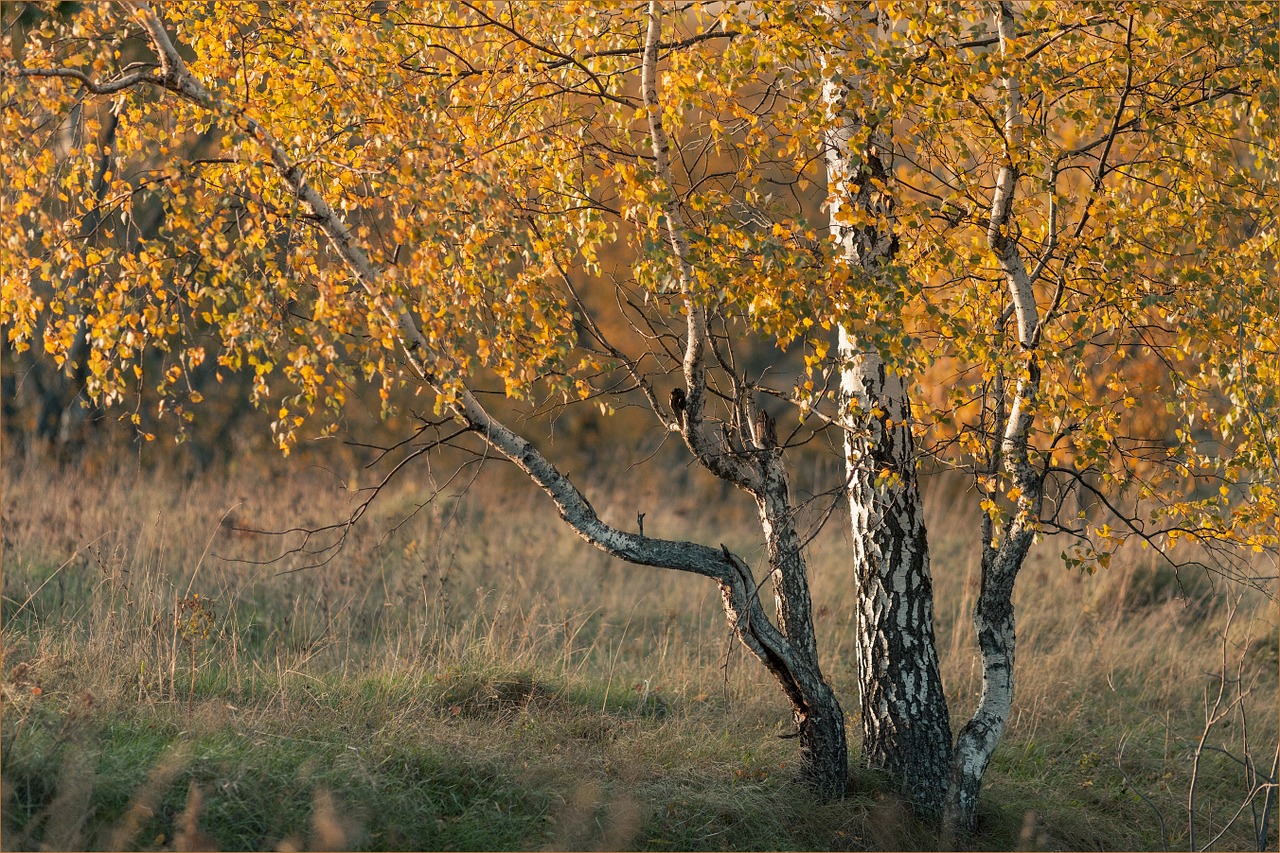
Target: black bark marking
[(678, 402)]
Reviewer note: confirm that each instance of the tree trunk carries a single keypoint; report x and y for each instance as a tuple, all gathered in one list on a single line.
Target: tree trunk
[(906, 726), (757, 469), (993, 613), (752, 461), (993, 620), (818, 716), (1010, 451), (824, 755)]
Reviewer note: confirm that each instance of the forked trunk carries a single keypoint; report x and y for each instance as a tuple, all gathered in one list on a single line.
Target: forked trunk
[(1010, 453)]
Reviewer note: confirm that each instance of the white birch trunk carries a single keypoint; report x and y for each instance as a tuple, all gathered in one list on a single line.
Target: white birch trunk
[(993, 616), (906, 729), (754, 464)]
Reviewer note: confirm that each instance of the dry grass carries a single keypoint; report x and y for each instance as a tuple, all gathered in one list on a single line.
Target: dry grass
[(470, 675)]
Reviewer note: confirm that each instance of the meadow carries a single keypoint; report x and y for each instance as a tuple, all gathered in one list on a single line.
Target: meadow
[(466, 674)]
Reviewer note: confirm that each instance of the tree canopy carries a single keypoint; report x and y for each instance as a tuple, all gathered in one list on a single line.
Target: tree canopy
[(490, 162)]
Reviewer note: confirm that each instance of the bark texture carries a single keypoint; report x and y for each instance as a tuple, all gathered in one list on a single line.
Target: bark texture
[(906, 729), (818, 716), (748, 456), (906, 725), (1003, 552)]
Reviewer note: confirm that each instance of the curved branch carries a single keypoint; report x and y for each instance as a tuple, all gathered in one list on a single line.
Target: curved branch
[(691, 423), (792, 664), (109, 88), (570, 502), (999, 240)]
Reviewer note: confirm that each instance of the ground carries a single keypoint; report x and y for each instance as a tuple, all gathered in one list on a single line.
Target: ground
[(468, 675)]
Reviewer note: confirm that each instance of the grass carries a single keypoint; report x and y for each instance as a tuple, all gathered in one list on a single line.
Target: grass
[(468, 675)]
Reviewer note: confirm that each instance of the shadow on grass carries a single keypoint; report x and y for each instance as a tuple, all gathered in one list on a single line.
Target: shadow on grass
[(495, 761)]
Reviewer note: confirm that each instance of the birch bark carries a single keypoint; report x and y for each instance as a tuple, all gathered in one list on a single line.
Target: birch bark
[(906, 728), (1002, 555), (754, 463)]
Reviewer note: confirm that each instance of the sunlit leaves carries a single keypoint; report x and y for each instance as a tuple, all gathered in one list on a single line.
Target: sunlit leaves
[(493, 162)]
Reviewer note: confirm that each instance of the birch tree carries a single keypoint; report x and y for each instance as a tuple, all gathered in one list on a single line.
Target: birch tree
[(1034, 244), (388, 245), (1052, 186)]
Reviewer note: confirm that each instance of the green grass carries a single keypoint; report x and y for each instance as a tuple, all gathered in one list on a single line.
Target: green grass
[(480, 679), (466, 763), (396, 788)]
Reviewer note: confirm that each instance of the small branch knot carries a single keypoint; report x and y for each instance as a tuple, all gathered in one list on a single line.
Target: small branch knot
[(678, 402)]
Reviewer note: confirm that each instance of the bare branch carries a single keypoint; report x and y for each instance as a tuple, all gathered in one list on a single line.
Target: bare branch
[(108, 88)]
